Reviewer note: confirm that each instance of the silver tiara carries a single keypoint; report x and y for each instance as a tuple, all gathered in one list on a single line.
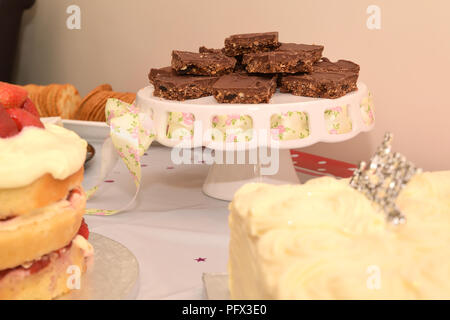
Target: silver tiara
[(382, 179)]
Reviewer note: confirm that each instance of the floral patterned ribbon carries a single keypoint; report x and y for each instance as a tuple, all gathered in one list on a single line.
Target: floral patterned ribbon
[(132, 133), (290, 125)]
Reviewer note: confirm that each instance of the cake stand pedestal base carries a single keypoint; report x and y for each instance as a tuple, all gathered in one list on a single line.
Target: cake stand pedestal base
[(224, 180)]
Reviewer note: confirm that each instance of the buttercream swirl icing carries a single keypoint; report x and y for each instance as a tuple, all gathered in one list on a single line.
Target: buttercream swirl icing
[(34, 152), (325, 240)]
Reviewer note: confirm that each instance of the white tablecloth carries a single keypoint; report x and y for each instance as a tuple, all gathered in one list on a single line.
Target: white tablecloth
[(170, 226)]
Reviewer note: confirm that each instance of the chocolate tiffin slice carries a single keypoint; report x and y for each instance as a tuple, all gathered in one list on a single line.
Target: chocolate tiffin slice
[(240, 88), (329, 85), (180, 88), (239, 44), (160, 71), (206, 63), (288, 58), (325, 65)]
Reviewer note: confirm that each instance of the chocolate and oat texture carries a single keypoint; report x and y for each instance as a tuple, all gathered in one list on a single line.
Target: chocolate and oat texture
[(240, 88), (180, 88), (288, 58), (159, 71), (207, 63), (204, 49), (329, 85), (239, 44), (325, 65)]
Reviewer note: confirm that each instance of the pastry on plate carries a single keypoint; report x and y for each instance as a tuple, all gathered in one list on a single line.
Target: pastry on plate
[(92, 107), (55, 100)]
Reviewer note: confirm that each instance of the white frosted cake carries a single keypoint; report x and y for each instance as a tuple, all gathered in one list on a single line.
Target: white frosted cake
[(325, 240)]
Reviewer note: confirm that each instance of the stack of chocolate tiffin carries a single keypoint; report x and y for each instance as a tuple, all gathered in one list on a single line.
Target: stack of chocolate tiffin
[(63, 100)]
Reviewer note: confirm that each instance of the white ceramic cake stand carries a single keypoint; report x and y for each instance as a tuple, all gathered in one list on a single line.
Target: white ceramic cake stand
[(224, 179)]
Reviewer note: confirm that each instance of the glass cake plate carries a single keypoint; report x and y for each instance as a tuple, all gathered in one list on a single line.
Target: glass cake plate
[(216, 286), (112, 274)]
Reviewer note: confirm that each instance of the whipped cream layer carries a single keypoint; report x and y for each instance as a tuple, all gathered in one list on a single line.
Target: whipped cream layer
[(35, 152), (325, 240)]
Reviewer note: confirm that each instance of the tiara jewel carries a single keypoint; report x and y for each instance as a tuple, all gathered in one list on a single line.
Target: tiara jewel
[(382, 179)]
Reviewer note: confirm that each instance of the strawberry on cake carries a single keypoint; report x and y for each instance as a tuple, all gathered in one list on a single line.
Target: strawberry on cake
[(43, 236)]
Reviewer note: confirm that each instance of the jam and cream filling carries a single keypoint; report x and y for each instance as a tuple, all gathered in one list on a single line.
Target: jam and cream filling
[(32, 267)]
